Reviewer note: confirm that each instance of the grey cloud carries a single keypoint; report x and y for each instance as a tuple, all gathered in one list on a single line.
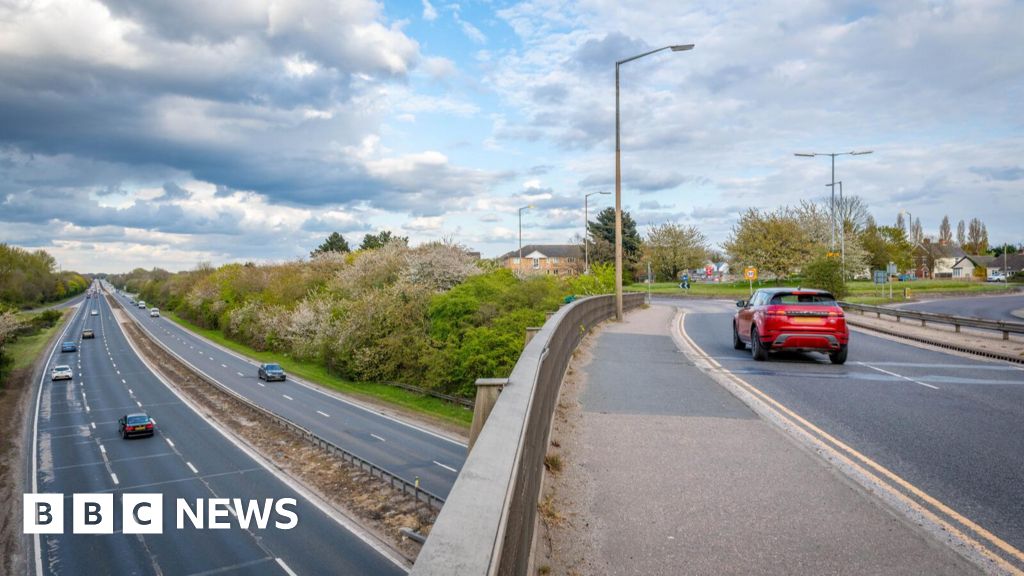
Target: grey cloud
[(602, 54), (1003, 173)]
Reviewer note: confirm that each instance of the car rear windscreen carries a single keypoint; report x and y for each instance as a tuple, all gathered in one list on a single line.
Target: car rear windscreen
[(804, 299), (138, 420)]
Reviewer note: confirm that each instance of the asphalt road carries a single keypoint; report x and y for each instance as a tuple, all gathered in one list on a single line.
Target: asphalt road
[(405, 450), (79, 450), (950, 425), (989, 307)]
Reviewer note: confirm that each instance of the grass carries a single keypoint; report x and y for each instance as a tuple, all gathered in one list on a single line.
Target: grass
[(318, 374), (26, 349), (861, 291)]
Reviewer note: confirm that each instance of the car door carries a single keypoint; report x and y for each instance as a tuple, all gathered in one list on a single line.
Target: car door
[(745, 316)]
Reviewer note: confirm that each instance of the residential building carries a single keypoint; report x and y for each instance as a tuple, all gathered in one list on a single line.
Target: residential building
[(935, 259), (557, 259), (964, 268)]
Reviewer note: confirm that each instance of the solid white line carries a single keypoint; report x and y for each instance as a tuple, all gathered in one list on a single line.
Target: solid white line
[(287, 396), (169, 443), (285, 567), (446, 467), (324, 414), (192, 468), (378, 437), (898, 375), (114, 478)]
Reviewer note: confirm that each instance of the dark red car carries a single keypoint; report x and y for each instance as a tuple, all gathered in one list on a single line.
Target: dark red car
[(795, 319)]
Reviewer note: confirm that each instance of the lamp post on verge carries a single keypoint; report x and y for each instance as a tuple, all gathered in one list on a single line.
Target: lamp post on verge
[(586, 224), (618, 175), (832, 205), (842, 228), (519, 268)]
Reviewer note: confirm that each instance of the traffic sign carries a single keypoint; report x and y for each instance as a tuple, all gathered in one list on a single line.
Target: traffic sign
[(750, 273), (879, 276)]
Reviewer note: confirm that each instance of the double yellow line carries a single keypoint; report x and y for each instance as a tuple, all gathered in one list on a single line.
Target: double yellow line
[(880, 477)]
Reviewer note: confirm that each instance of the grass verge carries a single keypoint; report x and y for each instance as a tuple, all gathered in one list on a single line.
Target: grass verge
[(318, 374), (26, 349)]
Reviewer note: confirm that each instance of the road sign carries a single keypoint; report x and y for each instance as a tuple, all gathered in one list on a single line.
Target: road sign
[(879, 276), (750, 273), (891, 269)]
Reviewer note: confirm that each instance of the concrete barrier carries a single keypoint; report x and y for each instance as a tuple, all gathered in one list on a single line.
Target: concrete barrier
[(486, 525)]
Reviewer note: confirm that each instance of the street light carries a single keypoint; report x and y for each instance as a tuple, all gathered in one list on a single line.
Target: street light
[(520, 269), (618, 176), (832, 209), (842, 228), (586, 224)]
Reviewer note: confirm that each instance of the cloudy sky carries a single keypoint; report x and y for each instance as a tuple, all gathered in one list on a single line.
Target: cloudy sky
[(168, 132)]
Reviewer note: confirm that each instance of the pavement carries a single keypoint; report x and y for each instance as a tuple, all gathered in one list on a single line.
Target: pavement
[(667, 472), (1006, 307)]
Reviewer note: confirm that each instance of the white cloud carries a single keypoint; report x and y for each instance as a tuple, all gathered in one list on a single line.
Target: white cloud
[(429, 12)]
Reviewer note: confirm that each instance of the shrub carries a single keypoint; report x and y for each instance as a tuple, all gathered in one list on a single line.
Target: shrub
[(825, 273)]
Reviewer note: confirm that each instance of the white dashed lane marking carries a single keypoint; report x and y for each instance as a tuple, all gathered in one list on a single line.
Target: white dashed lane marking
[(378, 437), (324, 414), (449, 468), (287, 396), (192, 468)]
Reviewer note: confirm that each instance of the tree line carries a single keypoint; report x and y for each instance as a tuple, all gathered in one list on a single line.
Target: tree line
[(29, 279)]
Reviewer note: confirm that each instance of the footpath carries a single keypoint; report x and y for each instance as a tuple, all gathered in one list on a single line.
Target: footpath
[(663, 471)]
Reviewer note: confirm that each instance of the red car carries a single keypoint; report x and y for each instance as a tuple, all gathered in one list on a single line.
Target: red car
[(795, 319)]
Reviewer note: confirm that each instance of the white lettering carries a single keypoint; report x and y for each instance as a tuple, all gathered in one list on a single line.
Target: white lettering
[(290, 514), (184, 510)]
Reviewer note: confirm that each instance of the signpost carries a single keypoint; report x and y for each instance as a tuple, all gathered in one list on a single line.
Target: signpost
[(750, 273)]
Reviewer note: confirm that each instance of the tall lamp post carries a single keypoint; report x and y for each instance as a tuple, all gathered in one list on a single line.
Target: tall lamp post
[(832, 209), (586, 224), (842, 228), (618, 176), (520, 268)]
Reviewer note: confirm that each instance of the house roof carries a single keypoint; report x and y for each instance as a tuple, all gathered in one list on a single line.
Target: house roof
[(936, 250), (548, 251)]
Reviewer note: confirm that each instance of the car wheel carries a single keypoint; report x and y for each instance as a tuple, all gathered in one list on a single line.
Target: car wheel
[(757, 349), (839, 356), (736, 342)]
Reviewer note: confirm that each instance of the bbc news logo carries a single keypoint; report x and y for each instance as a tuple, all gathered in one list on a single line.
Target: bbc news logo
[(144, 513)]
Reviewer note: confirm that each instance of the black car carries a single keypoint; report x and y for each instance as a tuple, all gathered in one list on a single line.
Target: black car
[(138, 424), (270, 372), (88, 333), (68, 347)]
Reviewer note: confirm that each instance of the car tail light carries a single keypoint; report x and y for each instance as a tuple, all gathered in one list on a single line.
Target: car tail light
[(836, 314), (149, 426), (775, 311)]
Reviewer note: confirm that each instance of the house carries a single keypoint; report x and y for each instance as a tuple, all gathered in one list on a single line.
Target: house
[(557, 259), (965, 267), (1013, 264), (935, 259)]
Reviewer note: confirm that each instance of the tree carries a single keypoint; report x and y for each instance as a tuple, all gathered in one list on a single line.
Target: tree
[(961, 235), (602, 238), (378, 240), (885, 244), (945, 233), (334, 243), (977, 237), (900, 223), (852, 213), (672, 249), (916, 232), (825, 273), (775, 242)]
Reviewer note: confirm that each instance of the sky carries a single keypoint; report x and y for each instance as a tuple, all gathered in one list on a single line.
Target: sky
[(172, 132)]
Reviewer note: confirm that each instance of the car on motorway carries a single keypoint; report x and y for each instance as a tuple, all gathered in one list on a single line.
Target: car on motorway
[(94, 313), (68, 346), (793, 319), (270, 372), (132, 301), (138, 424), (142, 304), (154, 312), (88, 333), (61, 372)]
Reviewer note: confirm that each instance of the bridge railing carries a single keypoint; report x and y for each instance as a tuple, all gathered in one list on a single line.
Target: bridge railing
[(486, 526), (1006, 328)]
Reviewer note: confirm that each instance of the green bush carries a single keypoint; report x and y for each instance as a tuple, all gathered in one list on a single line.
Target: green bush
[(825, 273)]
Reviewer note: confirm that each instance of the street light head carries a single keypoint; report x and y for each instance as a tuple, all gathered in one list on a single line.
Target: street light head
[(861, 153), (681, 47), (804, 154), (605, 193)]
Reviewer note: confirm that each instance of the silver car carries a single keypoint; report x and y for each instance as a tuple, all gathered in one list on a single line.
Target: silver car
[(61, 372)]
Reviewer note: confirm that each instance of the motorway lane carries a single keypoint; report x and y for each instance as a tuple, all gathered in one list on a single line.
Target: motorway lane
[(950, 425), (989, 307), (80, 451), (407, 451)]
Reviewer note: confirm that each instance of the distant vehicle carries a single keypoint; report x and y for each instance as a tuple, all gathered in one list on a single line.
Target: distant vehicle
[(132, 301), (88, 333), (142, 304), (270, 372), (907, 277), (138, 424), (996, 277), (792, 319), (68, 346), (94, 313), (154, 312), (61, 372)]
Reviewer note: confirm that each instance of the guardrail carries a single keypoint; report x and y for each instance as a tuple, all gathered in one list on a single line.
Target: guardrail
[(957, 321), (486, 526), (393, 480), (464, 402)]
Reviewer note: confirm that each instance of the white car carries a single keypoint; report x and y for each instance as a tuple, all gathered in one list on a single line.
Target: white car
[(61, 372), (154, 312), (996, 277), (142, 304), (94, 313)]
